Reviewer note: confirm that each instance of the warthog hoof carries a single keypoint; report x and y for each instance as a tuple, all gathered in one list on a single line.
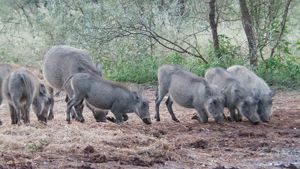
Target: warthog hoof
[(255, 122), (147, 120), (0, 122), (51, 116), (195, 117), (81, 120), (112, 119), (156, 117)]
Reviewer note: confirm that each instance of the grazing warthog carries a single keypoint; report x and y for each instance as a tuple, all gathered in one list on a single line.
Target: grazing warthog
[(190, 91), (21, 88), (60, 62), (106, 95), (260, 88), (236, 96)]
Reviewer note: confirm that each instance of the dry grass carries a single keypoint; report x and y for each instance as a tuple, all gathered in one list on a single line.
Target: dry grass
[(164, 144)]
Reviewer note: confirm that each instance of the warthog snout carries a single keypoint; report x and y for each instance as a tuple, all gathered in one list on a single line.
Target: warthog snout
[(147, 120)]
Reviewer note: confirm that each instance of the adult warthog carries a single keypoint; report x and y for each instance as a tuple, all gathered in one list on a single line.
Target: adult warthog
[(190, 91), (22, 89), (105, 95), (252, 82), (237, 98), (60, 62)]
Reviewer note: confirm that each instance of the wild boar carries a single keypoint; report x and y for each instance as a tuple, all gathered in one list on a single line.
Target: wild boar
[(190, 91), (60, 62), (22, 89), (236, 96), (260, 88), (106, 95)]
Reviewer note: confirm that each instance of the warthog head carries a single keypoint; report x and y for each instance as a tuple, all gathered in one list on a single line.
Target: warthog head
[(215, 106), (264, 108), (142, 108), (248, 107), (41, 103)]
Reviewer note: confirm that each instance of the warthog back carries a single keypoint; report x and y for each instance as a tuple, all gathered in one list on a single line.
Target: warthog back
[(261, 90)]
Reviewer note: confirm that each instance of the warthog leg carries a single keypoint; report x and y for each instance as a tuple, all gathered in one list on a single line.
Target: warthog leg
[(239, 116), (50, 111), (233, 114), (51, 115), (72, 102), (203, 118), (26, 110), (16, 106), (118, 112), (160, 95), (13, 114), (25, 114), (76, 111), (169, 104)]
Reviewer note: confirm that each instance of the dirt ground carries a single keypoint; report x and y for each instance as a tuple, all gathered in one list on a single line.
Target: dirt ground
[(165, 144)]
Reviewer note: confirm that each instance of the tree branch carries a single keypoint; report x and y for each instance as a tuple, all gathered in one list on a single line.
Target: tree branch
[(283, 22)]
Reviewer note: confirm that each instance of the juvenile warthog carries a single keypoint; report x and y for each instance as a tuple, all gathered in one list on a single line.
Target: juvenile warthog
[(104, 94), (60, 62), (260, 88), (236, 96), (190, 91), (22, 88)]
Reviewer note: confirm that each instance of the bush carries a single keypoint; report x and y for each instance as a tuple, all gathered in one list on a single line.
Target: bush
[(281, 72), (141, 70)]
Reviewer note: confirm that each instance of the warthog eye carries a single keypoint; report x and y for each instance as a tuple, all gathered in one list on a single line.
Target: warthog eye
[(145, 104), (214, 102)]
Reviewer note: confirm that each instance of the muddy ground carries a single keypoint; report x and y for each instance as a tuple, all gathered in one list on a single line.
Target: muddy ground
[(164, 144)]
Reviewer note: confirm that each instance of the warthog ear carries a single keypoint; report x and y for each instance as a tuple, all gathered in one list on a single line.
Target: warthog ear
[(135, 96)]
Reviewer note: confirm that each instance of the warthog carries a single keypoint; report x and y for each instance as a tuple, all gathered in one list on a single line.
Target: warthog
[(106, 95), (190, 91), (236, 96), (60, 62), (260, 88), (21, 88), (5, 70)]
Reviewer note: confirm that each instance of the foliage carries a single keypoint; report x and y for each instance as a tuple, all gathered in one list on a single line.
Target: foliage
[(281, 72), (132, 38)]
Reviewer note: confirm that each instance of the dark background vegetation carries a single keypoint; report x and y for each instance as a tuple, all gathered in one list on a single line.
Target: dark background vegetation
[(132, 38)]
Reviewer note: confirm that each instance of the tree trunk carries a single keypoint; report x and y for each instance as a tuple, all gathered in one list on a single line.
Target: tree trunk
[(214, 26), (248, 27)]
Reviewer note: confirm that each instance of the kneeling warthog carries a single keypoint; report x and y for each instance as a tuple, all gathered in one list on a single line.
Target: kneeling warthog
[(21, 88), (190, 91), (60, 62), (106, 95), (236, 96), (260, 88)]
